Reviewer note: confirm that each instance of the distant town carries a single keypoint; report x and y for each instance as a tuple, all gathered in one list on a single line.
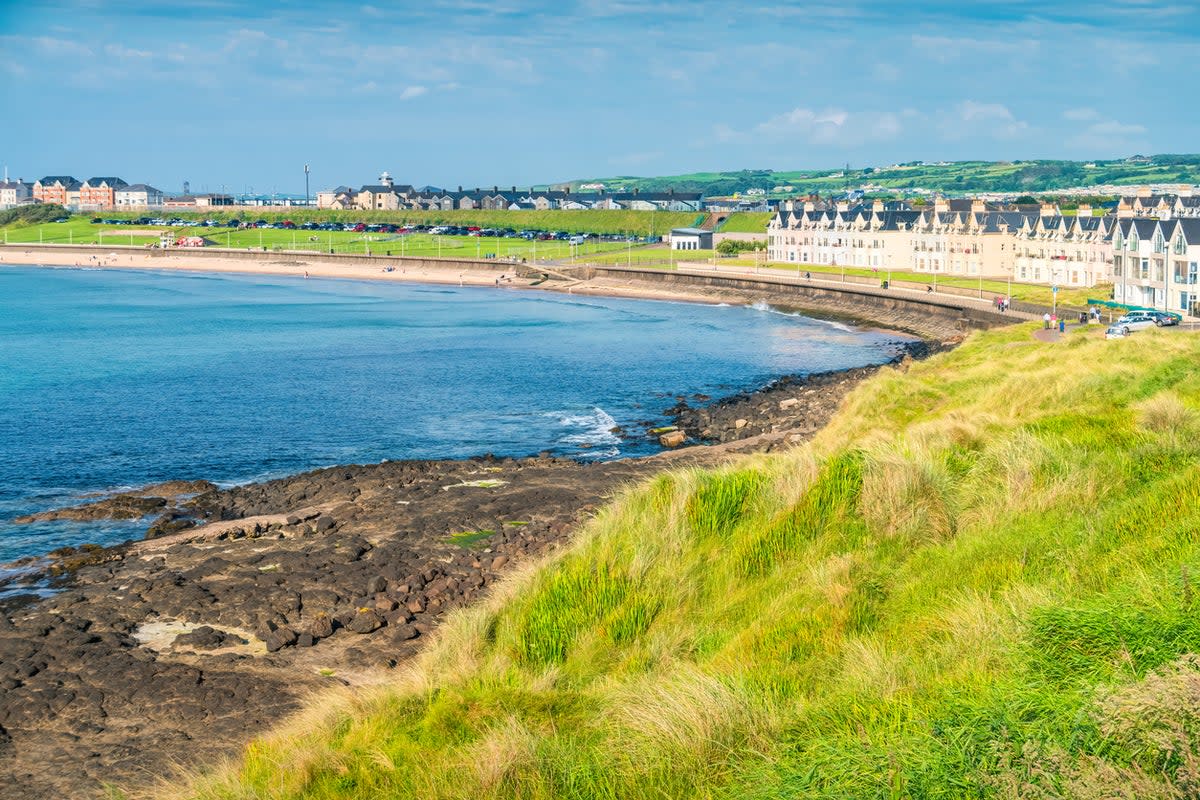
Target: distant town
[(1145, 243)]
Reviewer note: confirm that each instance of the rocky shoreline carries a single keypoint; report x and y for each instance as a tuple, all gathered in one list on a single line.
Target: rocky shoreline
[(179, 648)]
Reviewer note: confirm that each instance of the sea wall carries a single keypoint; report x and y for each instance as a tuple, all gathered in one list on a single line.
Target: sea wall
[(920, 313)]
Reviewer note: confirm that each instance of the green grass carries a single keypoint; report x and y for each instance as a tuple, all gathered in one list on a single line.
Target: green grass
[(469, 538), (980, 580), (81, 231), (638, 223), (746, 222)]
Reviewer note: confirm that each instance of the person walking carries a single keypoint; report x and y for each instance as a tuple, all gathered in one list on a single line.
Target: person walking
[(1046, 321)]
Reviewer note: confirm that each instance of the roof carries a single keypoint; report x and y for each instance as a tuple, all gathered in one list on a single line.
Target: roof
[(65, 180), (690, 232), (114, 183), (140, 187)]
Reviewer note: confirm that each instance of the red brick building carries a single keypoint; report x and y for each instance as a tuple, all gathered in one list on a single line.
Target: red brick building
[(100, 192), (61, 189)]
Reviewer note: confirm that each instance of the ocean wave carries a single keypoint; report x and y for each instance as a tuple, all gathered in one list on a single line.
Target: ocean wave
[(592, 430)]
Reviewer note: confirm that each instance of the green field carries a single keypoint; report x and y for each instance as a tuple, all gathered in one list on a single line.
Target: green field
[(979, 581), (80, 231), (958, 177), (637, 223), (746, 222)]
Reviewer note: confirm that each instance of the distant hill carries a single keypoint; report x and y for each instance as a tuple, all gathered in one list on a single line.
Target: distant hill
[(952, 177)]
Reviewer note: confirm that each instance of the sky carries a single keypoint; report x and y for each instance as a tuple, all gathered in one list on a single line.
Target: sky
[(240, 96)]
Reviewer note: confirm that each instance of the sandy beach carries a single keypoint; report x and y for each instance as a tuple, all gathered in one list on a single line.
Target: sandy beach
[(913, 320)]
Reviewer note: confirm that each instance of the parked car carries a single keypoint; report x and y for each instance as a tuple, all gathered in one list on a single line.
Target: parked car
[(1116, 331), (1162, 318), (1137, 320)]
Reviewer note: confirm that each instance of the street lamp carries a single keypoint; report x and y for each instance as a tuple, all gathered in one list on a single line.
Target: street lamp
[(306, 200)]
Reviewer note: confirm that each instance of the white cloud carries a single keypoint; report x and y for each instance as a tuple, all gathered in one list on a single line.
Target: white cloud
[(413, 91), (825, 127), (973, 118), (124, 53), (1108, 136), (1080, 114)]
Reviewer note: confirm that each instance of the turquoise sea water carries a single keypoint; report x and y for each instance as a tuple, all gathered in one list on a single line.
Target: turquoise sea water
[(112, 379)]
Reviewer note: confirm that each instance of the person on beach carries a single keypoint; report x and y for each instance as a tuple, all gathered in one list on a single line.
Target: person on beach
[(1046, 321), (305, 274), (929, 289)]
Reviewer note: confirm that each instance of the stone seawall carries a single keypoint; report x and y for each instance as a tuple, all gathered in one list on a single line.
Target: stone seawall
[(921, 314)]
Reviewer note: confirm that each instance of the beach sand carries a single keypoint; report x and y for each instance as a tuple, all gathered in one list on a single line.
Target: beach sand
[(296, 266)]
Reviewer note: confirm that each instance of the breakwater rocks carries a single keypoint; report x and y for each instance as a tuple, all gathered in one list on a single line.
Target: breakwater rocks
[(182, 647)]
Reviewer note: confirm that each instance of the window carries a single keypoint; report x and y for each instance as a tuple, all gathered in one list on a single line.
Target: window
[(1193, 272)]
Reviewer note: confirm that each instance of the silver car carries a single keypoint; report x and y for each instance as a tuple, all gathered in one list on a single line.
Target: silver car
[(1136, 321)]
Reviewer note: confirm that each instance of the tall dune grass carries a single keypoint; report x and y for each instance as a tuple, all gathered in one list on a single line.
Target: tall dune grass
[(980, 580)]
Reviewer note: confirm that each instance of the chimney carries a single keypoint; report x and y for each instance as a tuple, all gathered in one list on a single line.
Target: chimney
[(1143, 191), (877, 206), (1124, 209), (1084, 210), (567, 190), (514, 190), (635, 190), (842, 205), (672, 191), (460, 188), (940, 205), (495, 190), (1047, 210), (978, 206), (809, 205)]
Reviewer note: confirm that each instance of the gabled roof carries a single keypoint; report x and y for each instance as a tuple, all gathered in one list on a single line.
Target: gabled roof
[(1190, 227), (112, 183), (65, 180), (140, 187)]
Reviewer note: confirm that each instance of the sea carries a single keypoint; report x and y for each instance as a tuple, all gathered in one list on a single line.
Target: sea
[(114, 379)]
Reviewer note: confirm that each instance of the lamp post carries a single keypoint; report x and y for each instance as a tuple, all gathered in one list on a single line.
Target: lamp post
[(306, 200)]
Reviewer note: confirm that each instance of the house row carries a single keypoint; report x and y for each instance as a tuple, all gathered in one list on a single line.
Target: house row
[(1162, 206), (1156, 263), (955, 237), (388, 195), (1151, 262), (94, 193)]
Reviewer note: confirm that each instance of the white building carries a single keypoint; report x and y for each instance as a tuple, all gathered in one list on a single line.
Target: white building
[(15, 193), (140, 195)]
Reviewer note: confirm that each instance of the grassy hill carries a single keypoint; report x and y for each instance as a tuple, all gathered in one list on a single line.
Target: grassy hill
[(955, 177), (979, 581)]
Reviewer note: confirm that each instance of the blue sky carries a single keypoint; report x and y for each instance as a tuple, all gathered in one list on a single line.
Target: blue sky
[(488, 92)]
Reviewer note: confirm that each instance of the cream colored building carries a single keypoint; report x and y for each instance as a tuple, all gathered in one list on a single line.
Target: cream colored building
[(960, 238)]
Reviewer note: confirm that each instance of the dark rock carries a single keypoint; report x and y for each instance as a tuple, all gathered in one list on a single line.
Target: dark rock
[(321, 627), (365, 621), (405, 632), (325, 524), (376, 585), (276, 637)]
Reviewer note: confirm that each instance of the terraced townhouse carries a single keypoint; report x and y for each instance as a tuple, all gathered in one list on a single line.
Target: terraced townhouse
[(955, 237), (1156, 263)]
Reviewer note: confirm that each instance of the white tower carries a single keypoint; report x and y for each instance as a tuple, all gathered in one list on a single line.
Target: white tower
[(385, 179)]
